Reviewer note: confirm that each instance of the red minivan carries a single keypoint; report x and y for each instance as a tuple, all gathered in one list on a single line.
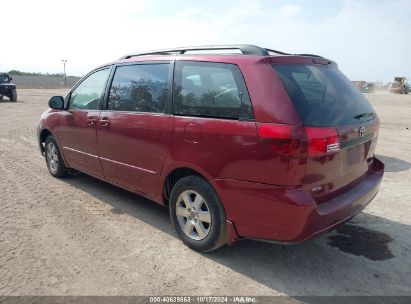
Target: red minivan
[(239, 141)]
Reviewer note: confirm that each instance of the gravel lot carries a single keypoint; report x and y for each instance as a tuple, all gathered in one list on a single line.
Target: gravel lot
[(81, 236)]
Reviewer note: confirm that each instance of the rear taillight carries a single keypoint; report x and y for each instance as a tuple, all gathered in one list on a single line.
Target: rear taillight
[(283, 139), (272, 131), (322, 141), (291, 139)]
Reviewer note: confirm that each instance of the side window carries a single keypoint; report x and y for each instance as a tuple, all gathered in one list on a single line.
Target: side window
[(140, 88), (210, 90), (88, 94)]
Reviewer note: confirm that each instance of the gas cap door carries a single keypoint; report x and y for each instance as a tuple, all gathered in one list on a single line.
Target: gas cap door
[(192, 132)]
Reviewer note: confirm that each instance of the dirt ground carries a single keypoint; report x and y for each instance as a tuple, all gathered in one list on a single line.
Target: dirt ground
[(81, 236)]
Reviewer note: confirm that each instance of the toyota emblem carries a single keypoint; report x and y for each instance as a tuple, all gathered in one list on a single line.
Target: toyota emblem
[(361, 132)]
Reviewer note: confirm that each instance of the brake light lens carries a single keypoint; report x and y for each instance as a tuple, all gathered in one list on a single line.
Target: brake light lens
[(288, 139), (283, 139), (322, 141), (274, 131)]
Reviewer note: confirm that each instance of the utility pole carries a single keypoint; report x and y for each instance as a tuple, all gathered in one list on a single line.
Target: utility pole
[(64, 61)]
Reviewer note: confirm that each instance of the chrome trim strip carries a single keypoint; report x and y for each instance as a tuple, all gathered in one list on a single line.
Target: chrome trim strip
[(358, 141), (74, 150), (333, 147), (127, 165), (110, 160)]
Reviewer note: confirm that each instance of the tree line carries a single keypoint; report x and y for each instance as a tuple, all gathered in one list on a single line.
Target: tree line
[(19, 73)]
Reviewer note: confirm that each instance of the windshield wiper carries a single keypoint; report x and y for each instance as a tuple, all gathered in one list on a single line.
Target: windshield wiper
[(363, 115)]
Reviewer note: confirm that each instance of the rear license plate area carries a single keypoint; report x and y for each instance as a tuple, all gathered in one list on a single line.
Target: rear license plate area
[(354, 155)]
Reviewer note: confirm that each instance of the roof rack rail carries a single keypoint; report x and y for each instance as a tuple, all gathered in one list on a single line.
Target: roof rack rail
[(245, 49)]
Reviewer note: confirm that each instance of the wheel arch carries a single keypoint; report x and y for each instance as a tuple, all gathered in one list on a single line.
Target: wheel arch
[(227, 232), (43, 134), (174, 175)]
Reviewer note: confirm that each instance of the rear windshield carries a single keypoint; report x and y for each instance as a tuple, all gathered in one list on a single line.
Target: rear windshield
[(323, 96)]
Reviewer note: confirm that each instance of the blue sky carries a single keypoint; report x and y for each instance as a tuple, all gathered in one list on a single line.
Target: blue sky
[(370, 40)]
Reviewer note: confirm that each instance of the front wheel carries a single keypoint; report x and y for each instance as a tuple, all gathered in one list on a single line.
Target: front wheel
[(13, 95), (197, 214), (54, 161)]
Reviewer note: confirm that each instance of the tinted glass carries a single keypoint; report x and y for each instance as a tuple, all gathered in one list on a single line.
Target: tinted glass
[(210, 90), (4, 78), (141, 88), (323, 96), (88, 94)]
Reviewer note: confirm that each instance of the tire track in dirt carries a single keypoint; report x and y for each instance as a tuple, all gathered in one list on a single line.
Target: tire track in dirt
[(66, 212), (21, 184), (60, 237)]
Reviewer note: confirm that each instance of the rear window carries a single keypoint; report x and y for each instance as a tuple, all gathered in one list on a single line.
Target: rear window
[(323, 96)]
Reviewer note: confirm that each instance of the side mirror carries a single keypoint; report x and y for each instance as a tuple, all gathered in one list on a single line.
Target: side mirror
[(11, 78), (56, 102)]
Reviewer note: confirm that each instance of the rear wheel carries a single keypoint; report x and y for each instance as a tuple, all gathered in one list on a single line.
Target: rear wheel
[(197, 214), (13, 95), (1, 97), (54, 161)]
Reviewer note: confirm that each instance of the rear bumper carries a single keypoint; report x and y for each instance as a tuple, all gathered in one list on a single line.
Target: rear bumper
[(290, 215)]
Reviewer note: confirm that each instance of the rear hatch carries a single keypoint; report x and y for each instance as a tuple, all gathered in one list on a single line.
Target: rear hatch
[(340, 124)]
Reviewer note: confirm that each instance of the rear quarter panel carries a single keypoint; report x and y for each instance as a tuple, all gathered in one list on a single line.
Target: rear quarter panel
[(231, 149), (269, 98)]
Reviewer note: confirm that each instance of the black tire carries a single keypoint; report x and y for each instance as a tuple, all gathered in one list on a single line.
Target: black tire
[(1, 97), (211, 206), (54, 161), (13, 95)]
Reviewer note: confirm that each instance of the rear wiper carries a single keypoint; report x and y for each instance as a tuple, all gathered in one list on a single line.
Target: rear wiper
[(362, 115)]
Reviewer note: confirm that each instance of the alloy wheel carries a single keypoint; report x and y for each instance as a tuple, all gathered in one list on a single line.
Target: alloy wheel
[(193, 215), (52, 157)]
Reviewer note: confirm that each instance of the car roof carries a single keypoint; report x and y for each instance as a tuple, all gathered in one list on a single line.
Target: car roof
[(244, 53), (245, 49)]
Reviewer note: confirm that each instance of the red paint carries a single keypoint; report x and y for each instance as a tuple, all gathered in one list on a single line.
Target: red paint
[(290, 214), (335, 172), (76, 133), (232, 236), (264, 171), (133, 148)]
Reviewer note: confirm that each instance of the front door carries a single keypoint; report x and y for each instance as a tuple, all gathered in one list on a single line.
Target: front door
[(78, 126), (134, 132)]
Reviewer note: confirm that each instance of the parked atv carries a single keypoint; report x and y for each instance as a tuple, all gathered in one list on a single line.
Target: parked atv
[(7, 88)]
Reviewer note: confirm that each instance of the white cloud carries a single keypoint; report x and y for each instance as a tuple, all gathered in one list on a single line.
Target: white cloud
[(290, 10), (364, 40)]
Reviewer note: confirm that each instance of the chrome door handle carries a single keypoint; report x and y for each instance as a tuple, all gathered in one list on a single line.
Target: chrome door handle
[(91, 121), (104, 122)]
